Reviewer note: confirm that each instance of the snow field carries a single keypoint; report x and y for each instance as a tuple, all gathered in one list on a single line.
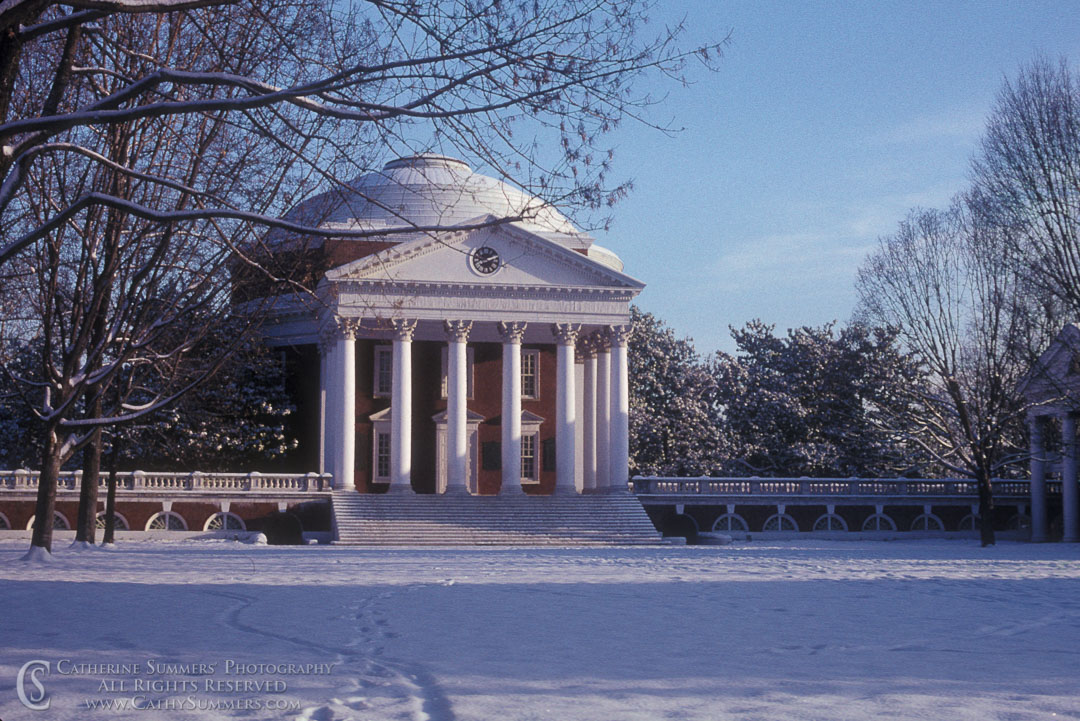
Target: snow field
[(778, 630)]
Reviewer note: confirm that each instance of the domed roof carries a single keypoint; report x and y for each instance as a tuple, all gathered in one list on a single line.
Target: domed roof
[(428, 190)]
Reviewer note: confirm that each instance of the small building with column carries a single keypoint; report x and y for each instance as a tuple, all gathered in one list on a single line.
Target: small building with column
[(1051, 390), (461, 353)]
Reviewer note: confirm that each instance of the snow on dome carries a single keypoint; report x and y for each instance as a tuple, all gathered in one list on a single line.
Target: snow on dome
[(429, 190)]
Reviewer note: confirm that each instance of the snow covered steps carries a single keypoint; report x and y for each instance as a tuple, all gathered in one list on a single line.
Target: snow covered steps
[(441, 520)]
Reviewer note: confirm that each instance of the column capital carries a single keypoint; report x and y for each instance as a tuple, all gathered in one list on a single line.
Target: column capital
[(403, 328), (618, 334), (458, 329), (566, 333), (586, 348), (337, 328), (513, 331)]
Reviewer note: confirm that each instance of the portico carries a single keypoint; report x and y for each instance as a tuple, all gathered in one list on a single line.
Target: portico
[(1051, 390)]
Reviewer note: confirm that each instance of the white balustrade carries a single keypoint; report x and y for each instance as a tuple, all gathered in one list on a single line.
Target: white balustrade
[(179, 482)]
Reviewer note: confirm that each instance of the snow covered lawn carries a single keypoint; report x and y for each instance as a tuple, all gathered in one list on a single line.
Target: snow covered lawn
[(761, 630)]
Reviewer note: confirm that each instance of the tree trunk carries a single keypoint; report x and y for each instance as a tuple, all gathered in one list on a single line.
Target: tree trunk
[(986, 508), (110, 494), (88, 491), (46, 497)]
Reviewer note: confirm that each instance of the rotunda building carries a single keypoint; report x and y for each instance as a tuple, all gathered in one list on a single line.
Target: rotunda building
[(473, 343)]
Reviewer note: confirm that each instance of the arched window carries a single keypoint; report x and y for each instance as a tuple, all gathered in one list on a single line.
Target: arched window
[(970, 522), (879, 522), (166, 521), (1019, 522), (927, 522), (780, 522), (5, 524), (224, 521), (60, 523), (730, 522), (830, 522), (121, 522)]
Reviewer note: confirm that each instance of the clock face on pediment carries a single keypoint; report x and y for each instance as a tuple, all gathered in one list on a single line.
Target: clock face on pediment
[(503, 257), (485, 260)]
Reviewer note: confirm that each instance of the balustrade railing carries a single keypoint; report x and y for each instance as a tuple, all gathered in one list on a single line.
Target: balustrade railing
[(907, 487), (169, 482)]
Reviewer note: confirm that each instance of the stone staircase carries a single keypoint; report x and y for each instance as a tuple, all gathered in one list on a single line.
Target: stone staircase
[(406, 519)]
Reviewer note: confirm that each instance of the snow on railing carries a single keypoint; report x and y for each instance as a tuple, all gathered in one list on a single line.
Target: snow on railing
[(711, 486), (168, 482)]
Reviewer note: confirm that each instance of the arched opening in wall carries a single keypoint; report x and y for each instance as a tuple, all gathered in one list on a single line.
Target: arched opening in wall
[(830, 522), (780, 522), (282, 528), (121, 523), (730, 522), (60, 522), (927, 522), (680, 524), (224, 521), (5, 524), (1019, 522), (166, 521), (879, 522), (970, 522)]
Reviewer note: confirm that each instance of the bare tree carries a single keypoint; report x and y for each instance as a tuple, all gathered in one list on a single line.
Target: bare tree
[(1026, 181), (146, 143), (946, 283)]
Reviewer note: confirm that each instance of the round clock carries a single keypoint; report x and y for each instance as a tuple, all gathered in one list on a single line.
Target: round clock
[(485, 260)]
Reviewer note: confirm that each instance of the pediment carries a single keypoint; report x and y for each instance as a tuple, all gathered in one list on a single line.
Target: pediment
[(524, 260), (1054, 379), (471, 417), (528, 417)]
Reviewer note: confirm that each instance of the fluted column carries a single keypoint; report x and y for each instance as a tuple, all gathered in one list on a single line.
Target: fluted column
[(619, 467), (1038, 480), (401, 408), (588, 417), (1069, 508), (512, 333), (565, 407), (603, 412), (457, 390)]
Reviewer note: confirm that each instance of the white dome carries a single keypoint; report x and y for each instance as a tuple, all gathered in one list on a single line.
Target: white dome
[(428, 190)]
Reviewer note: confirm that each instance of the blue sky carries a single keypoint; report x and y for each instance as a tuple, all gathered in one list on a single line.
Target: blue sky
[(826, 122)]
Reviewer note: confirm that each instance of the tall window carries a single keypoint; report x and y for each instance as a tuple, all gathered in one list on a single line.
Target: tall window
[(382, 455), (384, 370), (530, 373), (528, 457)]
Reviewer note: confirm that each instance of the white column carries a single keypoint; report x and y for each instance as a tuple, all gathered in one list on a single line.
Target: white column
[(579, 425), (619, 467), (1038, 481), (512, 334), (565, 406), (1069, 508), (324, 382), (603, 413), (457, 390), (401, 408), (343, 464), (588, 418)]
